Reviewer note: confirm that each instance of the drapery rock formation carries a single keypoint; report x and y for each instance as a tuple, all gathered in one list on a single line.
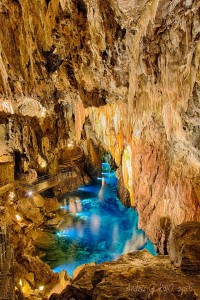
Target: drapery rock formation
[(122, 73)]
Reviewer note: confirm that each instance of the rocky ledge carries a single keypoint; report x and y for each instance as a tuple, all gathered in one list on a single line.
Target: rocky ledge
[(184, 246), (140, 275), (137, 275)]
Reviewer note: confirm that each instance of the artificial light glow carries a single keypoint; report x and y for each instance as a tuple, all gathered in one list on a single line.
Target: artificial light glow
[(7, 107), (20, 282), (18, 218), (43, 112), (11, 195), (81, 189), (72, 206), (101, 191), (41, 288), (95, 223), (30, 193), (43, 164), (70, 144)]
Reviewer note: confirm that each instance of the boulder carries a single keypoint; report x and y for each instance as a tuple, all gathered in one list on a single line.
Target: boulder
[(45, 240), (51, 205), (64, 279), (54, 222), (184, 246), (30, 211), (78, 270), (42, 272), (38, 200)]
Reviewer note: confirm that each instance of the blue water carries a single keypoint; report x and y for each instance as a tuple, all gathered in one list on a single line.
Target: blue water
[(103, 228)]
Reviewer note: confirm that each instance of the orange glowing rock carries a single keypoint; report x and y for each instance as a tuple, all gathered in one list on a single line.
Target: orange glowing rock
[(79, 112)]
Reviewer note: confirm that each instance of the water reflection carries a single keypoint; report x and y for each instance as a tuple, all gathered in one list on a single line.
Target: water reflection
[(137, 242), (95, 224), (74, 205), (102, 228), (101, 191)]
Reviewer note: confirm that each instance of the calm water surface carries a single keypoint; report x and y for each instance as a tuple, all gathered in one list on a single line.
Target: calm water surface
[(103, 228)]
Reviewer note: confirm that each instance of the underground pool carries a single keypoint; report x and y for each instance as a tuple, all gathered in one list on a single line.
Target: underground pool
[(103, 228)]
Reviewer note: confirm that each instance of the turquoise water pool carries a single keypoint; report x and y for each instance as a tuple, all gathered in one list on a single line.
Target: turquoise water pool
[(103, 228)]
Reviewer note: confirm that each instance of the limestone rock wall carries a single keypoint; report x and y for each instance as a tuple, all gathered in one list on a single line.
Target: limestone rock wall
[(154, 132), (131, 68), (32, 143)]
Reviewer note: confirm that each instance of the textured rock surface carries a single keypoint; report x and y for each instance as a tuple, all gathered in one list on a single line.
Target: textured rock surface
[(26, 219), (123, 75), (184, 246), (134, 276), (131, 70)]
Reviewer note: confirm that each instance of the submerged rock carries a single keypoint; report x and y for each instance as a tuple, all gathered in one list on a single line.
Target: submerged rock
[(45, 240)]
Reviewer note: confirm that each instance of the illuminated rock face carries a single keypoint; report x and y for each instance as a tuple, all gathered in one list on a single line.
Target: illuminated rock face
[(160, 175), (131, 279), (131, 68)]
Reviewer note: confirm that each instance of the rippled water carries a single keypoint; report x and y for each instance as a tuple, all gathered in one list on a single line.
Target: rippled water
[(103, 228)]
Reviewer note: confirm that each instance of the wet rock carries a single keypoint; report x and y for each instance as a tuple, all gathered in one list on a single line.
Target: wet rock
[(45, 240), (55, 255), (184, 246)]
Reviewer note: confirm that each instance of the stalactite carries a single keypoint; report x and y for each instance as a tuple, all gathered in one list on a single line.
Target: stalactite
[(79, 112)]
